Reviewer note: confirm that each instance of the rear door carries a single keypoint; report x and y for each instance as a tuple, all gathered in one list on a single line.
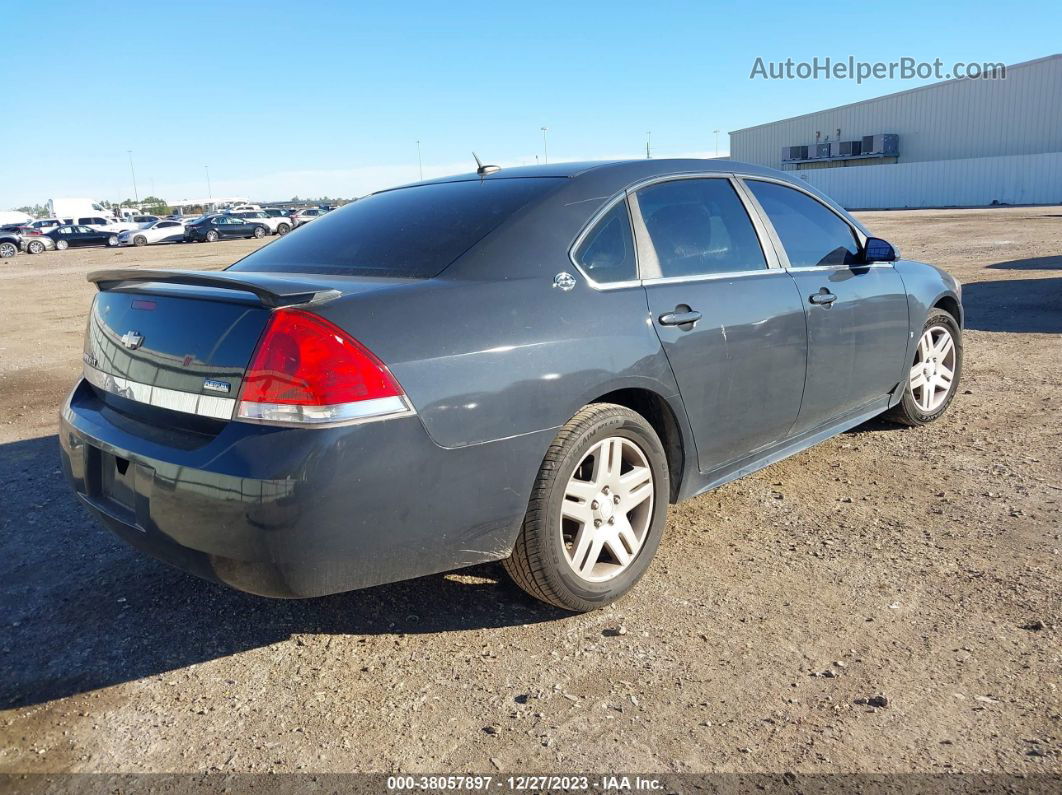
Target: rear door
[(730, 320), (856, 313)]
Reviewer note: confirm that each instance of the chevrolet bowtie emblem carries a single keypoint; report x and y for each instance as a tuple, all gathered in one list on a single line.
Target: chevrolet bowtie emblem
[(132, 340)]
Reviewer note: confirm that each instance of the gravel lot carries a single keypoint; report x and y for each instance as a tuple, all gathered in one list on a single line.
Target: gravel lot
[(921, 565)]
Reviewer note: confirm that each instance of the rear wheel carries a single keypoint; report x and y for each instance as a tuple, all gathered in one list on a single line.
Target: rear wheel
[(597, 511), (139, 240), (61, 245), (283, 229), (211, 236), (259, 231), (35, 247), (934, 372), (112, 240), (8, 249)]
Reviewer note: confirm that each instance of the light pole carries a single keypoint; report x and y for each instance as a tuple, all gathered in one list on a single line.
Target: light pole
[(545, 147), (210, 191), (420, 162), (648, 144), (136, 195), (716, 142)]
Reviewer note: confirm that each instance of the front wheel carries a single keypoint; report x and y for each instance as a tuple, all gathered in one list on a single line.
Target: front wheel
[(139, 240), (35, 247), (597, 511), (934, 373), (211, 236)]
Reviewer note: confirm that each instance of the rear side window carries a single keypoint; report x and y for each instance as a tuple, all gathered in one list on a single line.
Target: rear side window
[(811, 233), (607, 252), (409, 232), (699, 227)]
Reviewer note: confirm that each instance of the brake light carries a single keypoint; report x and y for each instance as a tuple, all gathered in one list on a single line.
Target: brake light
[(308, 371)]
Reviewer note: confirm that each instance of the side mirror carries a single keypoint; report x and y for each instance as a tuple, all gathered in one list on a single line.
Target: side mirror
[(878, 250)]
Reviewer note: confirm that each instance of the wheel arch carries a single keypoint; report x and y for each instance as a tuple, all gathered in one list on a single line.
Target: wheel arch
[(950, 304), (660, 414)]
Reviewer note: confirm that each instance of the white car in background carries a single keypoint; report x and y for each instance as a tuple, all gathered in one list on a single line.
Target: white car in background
[(305, 216), (277, 225), (161, 231)]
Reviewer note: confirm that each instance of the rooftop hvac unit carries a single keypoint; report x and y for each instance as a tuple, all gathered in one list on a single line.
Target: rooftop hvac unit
[(851, 148), (887, 144)]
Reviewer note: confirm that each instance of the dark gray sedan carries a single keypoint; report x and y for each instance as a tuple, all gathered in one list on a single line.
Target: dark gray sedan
[(523, 365)]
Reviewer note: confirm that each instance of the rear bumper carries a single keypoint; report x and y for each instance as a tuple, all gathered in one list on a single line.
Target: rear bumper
[(298, 513)]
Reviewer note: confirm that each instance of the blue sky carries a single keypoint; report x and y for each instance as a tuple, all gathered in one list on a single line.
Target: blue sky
[(329, 98)]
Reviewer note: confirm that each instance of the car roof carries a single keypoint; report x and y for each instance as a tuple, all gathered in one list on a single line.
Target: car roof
[(638, 169)]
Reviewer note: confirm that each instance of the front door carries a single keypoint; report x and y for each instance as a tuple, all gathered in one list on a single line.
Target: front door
[(731, 321), (856, 313)]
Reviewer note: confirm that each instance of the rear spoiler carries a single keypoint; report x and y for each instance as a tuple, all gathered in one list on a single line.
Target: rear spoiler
[(271, 291)]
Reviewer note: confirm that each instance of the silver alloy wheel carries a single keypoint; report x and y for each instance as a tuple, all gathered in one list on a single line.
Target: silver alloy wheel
[(8, 249), (61, 245), (933, 372), (35, 247), (607, 509)]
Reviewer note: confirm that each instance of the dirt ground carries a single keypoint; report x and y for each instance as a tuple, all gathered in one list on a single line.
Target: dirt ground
[(921, 565)]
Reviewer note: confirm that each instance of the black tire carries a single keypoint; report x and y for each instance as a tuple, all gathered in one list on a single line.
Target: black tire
[(8, 249), (283, 229), (61, 245), (35, 247), (538, 563), (139, 240), (907, 412), (211, 236), (260, 232)]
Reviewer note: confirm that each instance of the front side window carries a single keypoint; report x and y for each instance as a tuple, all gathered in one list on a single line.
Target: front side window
[(607, 252), (811, 233), (699, 227)]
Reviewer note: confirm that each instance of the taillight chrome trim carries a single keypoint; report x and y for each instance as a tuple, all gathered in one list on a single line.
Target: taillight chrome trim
[(360, 411), (218, 408)]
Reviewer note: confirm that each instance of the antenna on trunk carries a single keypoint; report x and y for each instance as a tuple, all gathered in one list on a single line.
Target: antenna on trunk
[(483, 170)]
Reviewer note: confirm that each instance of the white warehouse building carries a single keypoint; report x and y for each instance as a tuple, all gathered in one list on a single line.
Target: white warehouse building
[(957, 143)]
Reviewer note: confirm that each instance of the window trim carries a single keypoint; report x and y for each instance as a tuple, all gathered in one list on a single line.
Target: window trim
[(776, 240), (585, 232)]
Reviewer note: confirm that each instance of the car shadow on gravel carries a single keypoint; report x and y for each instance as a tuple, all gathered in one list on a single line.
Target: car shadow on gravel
[(80, 610), (1031, 264), (1014, 305)]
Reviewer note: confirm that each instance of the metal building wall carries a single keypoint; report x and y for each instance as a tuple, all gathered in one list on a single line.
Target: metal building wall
[(955, 119), (972, 182)]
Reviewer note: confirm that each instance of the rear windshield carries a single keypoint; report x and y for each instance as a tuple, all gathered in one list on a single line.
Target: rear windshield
[(411, 232)]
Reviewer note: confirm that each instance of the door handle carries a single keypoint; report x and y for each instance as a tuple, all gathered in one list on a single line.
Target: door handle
[(689, 317), (823, 296)]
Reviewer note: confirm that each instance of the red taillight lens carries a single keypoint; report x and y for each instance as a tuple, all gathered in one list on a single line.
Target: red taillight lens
[(309, 371)]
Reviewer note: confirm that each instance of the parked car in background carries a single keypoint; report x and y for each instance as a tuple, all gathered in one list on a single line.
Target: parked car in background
[(10, 241), (161, 231), (36, 242), (77, 235), (100, 223), (211, 228), (277, 225), (242, 208), (277, 212), (525, 365), (144, 221), (304, 216), (44, 224)]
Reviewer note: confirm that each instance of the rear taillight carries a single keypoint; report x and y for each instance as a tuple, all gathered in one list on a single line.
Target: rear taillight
[(307, 371)]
